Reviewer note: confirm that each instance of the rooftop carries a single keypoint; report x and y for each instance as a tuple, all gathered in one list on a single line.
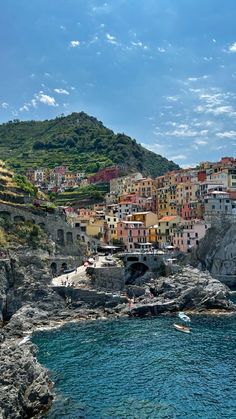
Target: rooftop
[(169, 218)]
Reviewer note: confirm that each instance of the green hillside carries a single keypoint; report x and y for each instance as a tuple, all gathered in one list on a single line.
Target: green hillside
[(78, 141)]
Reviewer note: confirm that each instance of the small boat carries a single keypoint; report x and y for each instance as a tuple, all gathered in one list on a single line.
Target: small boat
[(184, 317), (182, 328)]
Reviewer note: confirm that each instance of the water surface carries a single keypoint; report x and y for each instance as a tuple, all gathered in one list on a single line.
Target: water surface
[(142, 368)]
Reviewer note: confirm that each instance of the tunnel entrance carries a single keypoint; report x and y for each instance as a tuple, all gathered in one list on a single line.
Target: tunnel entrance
[(134, 271)]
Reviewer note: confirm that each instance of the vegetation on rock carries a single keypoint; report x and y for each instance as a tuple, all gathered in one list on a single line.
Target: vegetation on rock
[(80, 142)]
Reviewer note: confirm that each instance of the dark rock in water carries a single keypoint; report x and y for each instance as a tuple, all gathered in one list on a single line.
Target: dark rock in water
[(188, 289), (25, 386)]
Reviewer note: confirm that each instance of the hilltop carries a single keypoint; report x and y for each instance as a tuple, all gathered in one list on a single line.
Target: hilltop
[(80, 142)]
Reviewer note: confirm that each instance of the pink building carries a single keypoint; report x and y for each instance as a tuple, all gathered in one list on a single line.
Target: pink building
[(188, 234), (131, 234), (192, 210)]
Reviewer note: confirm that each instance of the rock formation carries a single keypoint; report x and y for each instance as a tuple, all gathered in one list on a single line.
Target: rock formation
[(25, 386), (28, 301), (217, 253), (188, 289)]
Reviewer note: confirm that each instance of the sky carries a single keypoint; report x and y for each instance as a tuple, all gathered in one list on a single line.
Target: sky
[(161, 71)]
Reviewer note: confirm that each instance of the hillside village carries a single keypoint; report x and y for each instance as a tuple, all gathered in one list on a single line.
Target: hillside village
[(173, 210)]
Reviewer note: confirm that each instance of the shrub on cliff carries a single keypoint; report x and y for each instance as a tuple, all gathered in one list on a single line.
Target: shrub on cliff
[(3, 240)]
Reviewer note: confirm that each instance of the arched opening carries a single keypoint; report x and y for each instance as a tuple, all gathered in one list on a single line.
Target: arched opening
[(6, 215), (69, 237), (60, 237), (64, 266), (19, 219), (135, 271), (78, 237), (53, 268)]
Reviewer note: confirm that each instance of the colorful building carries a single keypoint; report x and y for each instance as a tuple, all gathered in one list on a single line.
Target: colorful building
[(131, 234), (165, 226), (105, 175), (147, 218), (187, 234)]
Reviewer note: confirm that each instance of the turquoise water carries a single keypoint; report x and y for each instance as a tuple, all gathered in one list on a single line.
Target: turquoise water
[(142, 368)]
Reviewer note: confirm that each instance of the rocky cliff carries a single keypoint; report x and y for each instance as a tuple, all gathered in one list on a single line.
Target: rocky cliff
[(217, 253), (25, 386), (189, 289), (28, 301)]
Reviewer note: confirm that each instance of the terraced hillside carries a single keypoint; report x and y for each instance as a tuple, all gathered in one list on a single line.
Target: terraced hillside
[(78, 141)]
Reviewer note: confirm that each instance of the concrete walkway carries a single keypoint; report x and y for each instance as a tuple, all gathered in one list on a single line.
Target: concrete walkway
[(79, 277)]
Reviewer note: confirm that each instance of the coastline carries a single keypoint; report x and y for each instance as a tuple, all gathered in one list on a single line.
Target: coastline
[(191, 291)]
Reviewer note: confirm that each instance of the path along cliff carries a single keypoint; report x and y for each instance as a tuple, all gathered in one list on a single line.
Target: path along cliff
[(29, 301)]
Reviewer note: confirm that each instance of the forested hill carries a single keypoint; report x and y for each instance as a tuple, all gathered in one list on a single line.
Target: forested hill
[(78, 141)]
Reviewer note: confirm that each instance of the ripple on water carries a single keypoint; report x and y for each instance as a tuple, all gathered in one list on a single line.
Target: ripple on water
[(142, 368)]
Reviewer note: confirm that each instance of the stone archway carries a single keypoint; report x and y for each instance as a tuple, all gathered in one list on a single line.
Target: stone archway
[(134, 271), (6, 215), (19, 219), (69, 237)]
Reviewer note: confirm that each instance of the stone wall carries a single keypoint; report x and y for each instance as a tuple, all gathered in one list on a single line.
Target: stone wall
[(112, 278), (63, 234)]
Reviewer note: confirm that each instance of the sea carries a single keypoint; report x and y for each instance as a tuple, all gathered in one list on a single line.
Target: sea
[(142, 368)]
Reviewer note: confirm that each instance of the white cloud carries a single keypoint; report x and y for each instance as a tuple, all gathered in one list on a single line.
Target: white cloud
[(111, 39), (45, 99), (222, 110), (226, 134), (139, 44), (160, 49), (232, 48), (61, 91), (74, 44), (24, 108), (172, 98), (62, 27), (34, 103), (214, 40), (4, 105), (182, 130), (200, 142), (178, 157)]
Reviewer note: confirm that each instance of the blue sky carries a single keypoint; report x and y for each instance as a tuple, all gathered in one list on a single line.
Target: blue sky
[(162, 71)]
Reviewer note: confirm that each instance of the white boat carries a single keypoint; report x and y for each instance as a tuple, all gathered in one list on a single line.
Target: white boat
[(184, 317), (182, 328)]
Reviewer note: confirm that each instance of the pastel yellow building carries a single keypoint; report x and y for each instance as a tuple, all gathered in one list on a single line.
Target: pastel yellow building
[(145, 187), (111, 222), (148, 218), (153, 234), (166, 201), (165, 226), (186, 192), (95, 229)]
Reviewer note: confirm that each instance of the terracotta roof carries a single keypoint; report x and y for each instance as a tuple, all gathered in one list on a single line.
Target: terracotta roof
[(168, 218)]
